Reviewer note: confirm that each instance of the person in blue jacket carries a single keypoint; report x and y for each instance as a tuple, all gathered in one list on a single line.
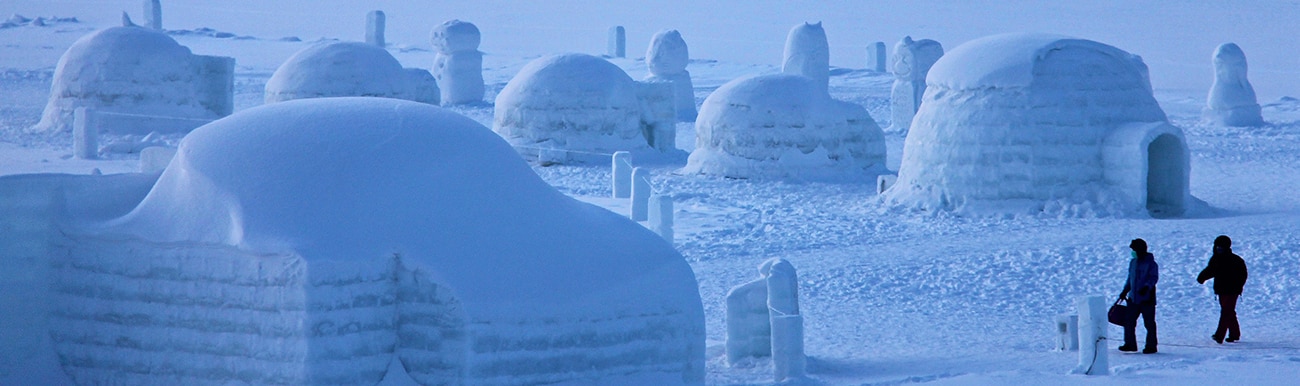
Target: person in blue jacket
[(1140, 290)]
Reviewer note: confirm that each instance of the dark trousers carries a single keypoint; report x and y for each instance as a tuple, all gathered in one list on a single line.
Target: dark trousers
[(1148, 313), (1228, 317)]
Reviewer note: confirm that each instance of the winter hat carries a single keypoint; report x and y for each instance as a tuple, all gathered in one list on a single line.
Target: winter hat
[(1138, 245), (1223, 242)]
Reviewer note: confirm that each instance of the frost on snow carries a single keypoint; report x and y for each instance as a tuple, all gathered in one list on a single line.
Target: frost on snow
[(1232, 99), (339, 69), (134, 70), (459, 64), (393, 230), (583, 103), (787, 125), (1027, 123)]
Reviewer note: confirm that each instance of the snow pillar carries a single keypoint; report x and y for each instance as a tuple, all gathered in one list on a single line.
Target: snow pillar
[(876, 57), (807, 53), (640, 193), (910, 64), (1092, 336), (1232, 98), (617, 46), (153, 14), (661, 216), (458, 67), (85, 134), (622, 174), (788, 360), (1067, 332), (749, 328), (666, 59), (375, 28)]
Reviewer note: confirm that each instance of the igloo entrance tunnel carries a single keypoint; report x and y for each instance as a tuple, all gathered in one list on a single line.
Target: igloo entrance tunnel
[(1031, 123)]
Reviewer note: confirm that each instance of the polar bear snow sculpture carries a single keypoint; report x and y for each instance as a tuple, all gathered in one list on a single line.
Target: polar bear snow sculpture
[(397, 237), (1232, 99), (1030, 123)]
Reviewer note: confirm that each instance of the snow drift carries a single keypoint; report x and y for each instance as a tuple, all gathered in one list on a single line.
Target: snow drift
[(1029, 122), (325, 241)]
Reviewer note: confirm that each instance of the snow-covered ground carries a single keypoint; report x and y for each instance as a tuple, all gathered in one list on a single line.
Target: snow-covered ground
[(889, 296)]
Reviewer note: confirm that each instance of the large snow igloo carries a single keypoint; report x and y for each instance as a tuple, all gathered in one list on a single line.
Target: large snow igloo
[(345, 240), (782, 126), (583, 103), (1029, 122), (343, 69), (138, 71)]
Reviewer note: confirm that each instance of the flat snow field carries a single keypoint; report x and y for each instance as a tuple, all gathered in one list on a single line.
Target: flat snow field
[(890, 296)]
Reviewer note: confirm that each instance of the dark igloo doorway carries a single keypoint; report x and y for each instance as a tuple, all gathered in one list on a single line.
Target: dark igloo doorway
[(1166, 177)]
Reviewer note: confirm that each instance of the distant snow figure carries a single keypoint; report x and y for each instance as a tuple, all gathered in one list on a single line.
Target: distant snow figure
[(338, 69), (153, 14), (1034, 123), (876, 57), (911, 63), (1232, 99), (458, 65), (617, 44), (666, 59), (807, 53), (375, 28), (582, 103), (140, 71)]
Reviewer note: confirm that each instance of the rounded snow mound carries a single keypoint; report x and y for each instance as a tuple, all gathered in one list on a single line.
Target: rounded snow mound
[(571, 101), (782, 125), (352, 178), (1031, 122), (338, 69), (126, 70)]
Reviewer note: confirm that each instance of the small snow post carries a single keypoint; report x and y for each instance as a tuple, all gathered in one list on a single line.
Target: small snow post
[(1067, 332), (763, 319), (1092, 336), (375, 28), (640, 194), (622, 167), (876, 57)]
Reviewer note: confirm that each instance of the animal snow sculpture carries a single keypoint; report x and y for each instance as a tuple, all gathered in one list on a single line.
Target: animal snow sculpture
[(666, 60), (341, 69), (911, 62), (397, 237), (1027, 123), (807, 53), (579, 102), (1232, 99), (459, 64), (138, 71)]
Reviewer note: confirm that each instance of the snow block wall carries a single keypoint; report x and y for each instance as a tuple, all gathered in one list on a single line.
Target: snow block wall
[(399, 232), (582, 103), (1232, 98), (1029, 123), (341, 69), (133, 70)]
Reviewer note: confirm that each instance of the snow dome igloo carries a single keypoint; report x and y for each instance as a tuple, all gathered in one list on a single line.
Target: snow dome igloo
[(584, 103), (396, 239), (133, 70), (342, 69), (1029, 122)]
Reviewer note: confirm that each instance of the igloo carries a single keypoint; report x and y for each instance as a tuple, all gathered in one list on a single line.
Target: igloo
[(1030, 123), (395, 240), (134, 71), (579, 102), (342, 69), (786, 125)]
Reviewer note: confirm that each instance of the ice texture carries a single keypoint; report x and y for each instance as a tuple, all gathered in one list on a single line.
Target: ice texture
[(1232, 99), (1022, 123)]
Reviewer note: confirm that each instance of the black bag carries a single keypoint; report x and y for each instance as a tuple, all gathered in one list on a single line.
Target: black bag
[(1118, 313)]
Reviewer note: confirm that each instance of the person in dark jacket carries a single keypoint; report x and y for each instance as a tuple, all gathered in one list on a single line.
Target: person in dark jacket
[(1229, 273), (1140, 290)]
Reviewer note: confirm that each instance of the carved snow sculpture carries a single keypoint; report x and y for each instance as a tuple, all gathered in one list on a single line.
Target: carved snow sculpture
[(1032, 123), (459, 64), (807, 53), (763, 320), (429, 249), (579, 102), (138, 71), (910, 64), (1232, 99), (666, 59), (339, 69)]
